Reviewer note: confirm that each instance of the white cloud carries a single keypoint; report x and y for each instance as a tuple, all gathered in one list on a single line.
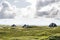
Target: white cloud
[(24, 12), (30, 10), (7, 10)]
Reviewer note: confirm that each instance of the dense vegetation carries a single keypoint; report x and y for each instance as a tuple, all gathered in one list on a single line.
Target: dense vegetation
[(34, 33)]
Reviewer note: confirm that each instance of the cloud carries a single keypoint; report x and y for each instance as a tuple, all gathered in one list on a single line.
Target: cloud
[(19, 3), (6, 11), (13, 8), (29, 11), (49, 11), (42, 3)]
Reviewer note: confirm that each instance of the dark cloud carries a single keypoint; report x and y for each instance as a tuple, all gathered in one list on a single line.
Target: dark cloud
[(42, 13), (53, 13), (45, 3)]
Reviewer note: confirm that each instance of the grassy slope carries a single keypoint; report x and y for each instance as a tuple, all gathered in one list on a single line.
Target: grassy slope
[(36, 33)]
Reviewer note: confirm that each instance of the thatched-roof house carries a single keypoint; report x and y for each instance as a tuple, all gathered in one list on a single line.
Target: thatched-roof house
[(53, 25)]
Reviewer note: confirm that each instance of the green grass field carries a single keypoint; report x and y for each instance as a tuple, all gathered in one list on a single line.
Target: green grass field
[(34, 33)]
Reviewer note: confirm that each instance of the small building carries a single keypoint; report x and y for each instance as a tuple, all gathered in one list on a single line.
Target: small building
[(53, 25), (26, 26), (13, 25)]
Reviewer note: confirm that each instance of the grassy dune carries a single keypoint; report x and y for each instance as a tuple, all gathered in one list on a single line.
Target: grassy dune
[(35, 33)]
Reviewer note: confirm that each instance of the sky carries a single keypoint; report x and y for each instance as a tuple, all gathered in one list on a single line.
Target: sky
[(31, 12)]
